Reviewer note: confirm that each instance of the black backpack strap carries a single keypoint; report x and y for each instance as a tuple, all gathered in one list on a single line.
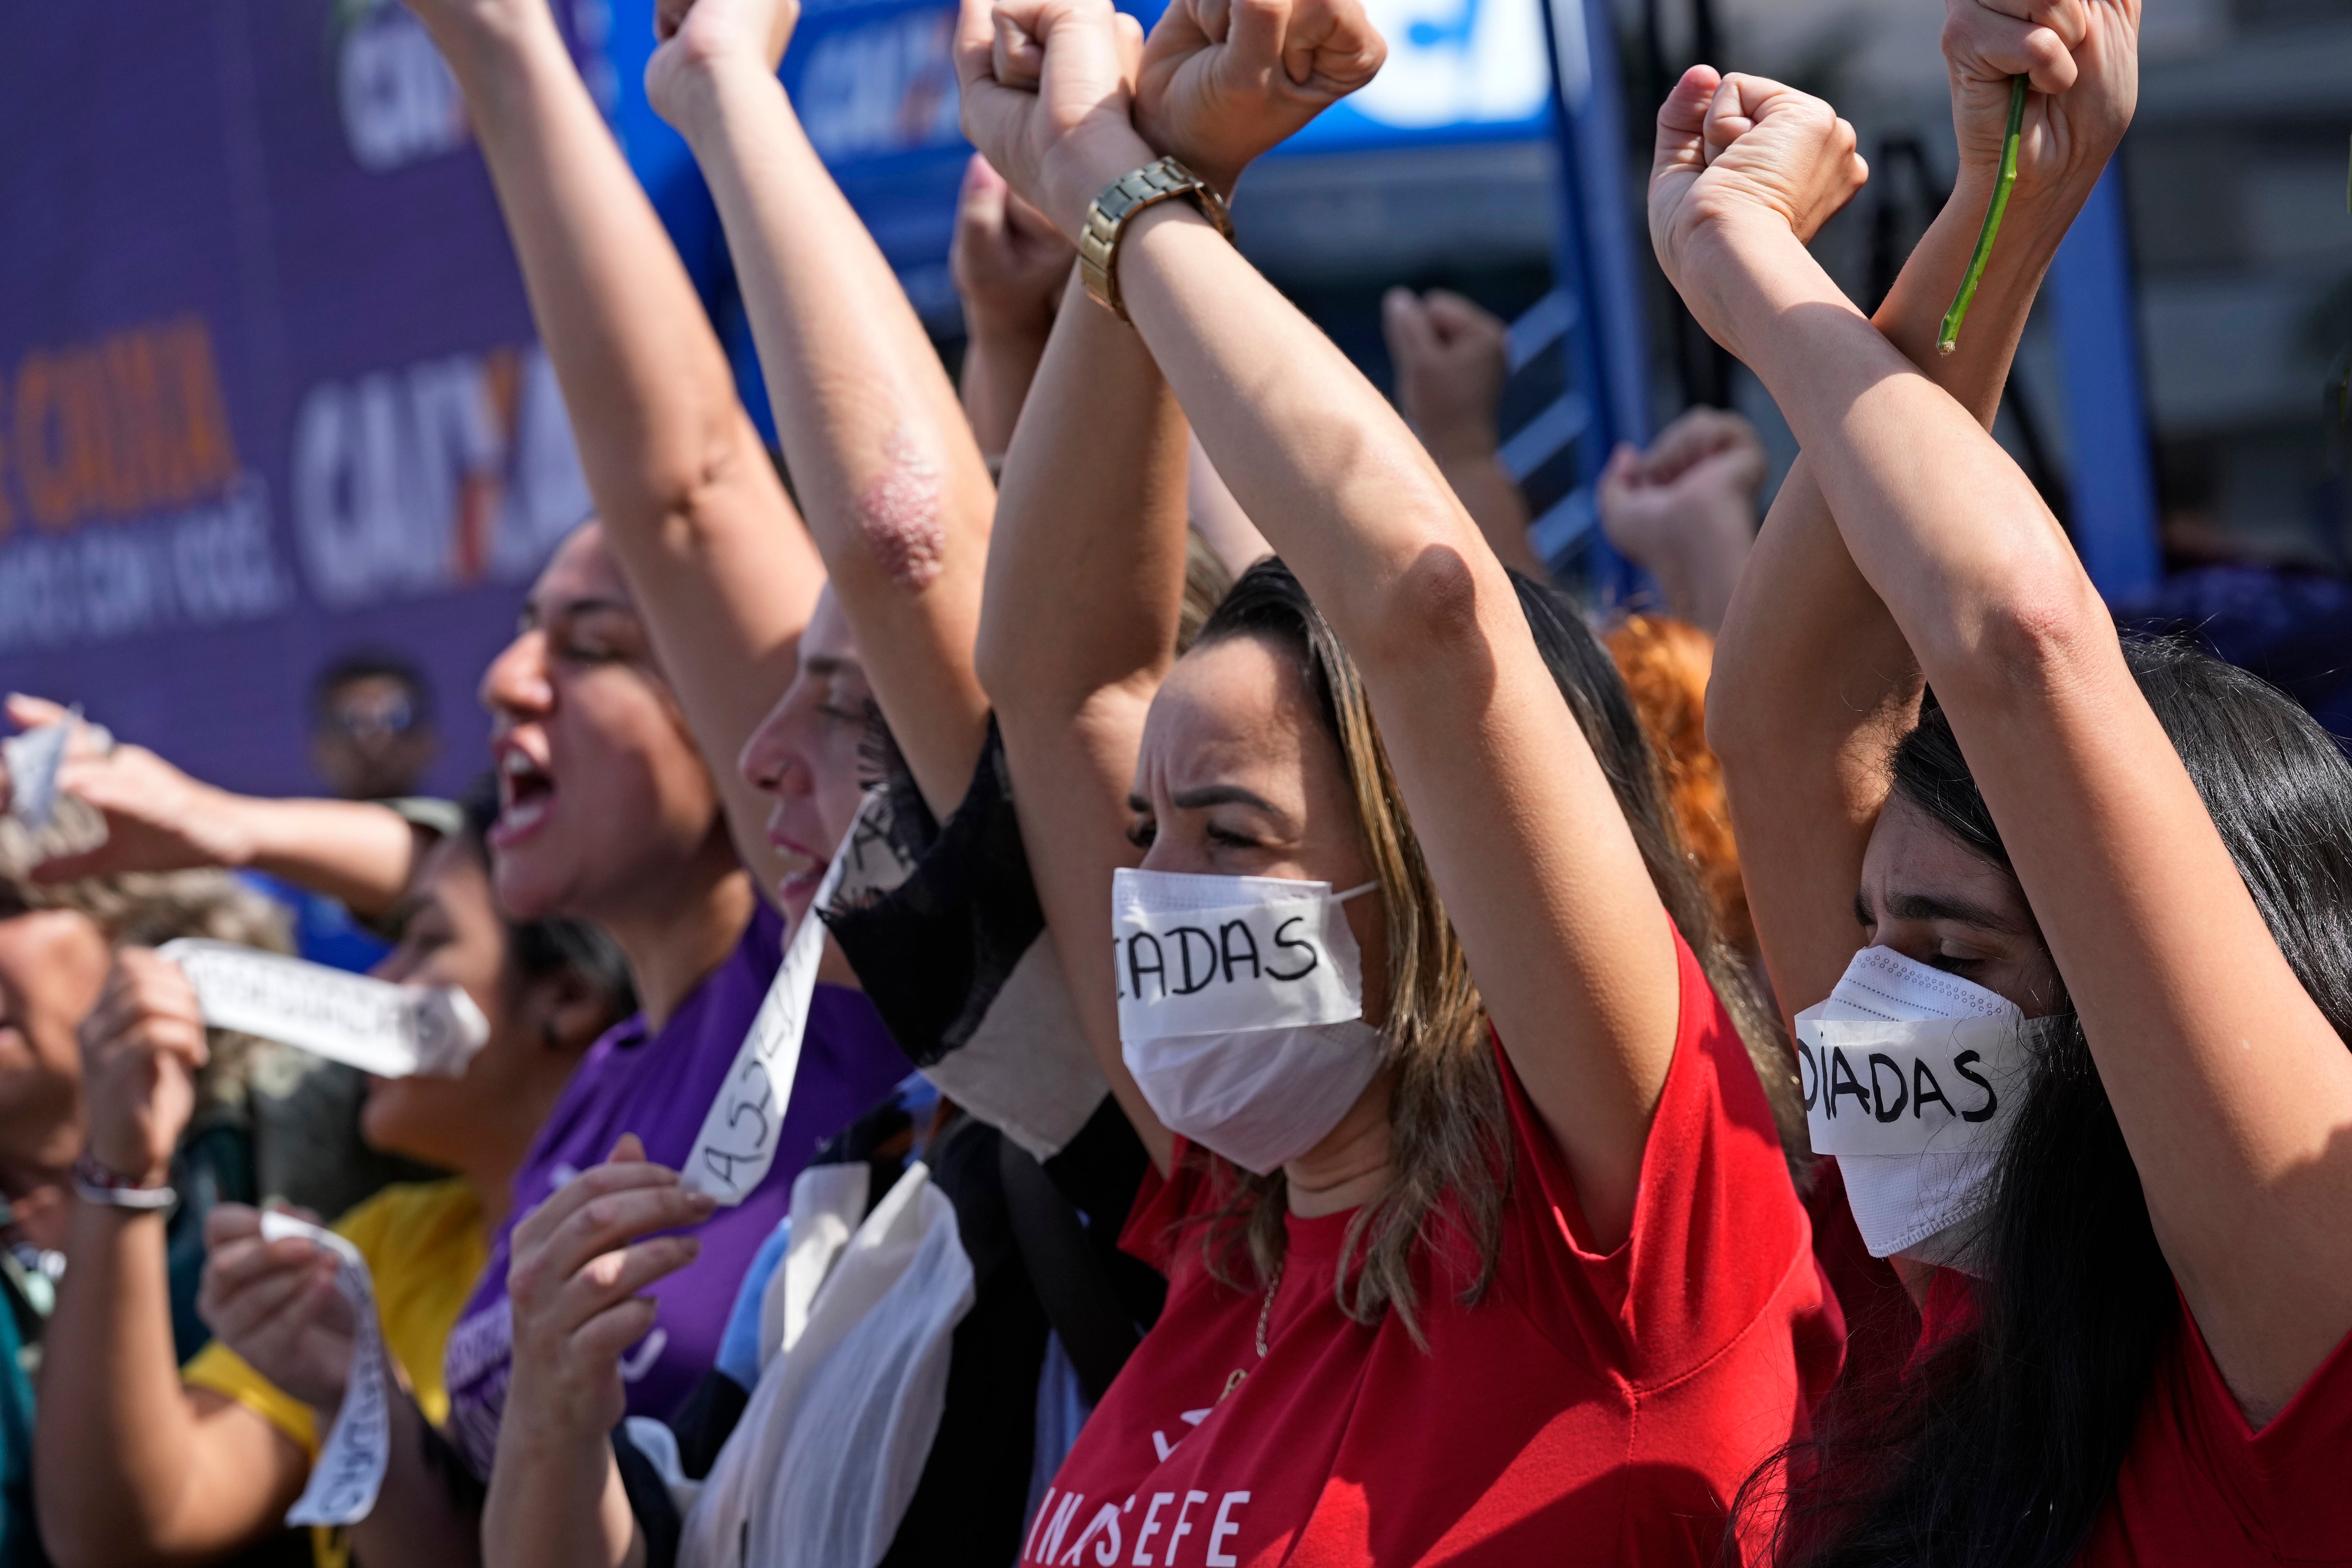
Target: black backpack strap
[(1070, 1282)]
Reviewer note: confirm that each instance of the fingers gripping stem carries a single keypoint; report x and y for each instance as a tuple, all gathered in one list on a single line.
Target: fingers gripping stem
[(1948, 339)]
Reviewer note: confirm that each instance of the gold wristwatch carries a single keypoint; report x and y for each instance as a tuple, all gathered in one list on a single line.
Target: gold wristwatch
[(1121, 200)]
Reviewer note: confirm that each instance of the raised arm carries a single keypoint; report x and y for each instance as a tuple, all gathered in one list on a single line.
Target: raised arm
[(161, 819), (1076, 637), (892, 484), (1813, 682), (1685, 511), (1078, 630), (1542, 877), (1452, 359), (722, 571), (2232, 1091), (1010, 266)]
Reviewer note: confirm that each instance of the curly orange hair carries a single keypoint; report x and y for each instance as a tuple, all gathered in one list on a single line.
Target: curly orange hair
[(1665, 664)]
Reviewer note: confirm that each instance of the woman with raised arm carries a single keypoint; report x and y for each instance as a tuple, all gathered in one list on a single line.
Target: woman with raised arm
[(696, 594), (898, 501), (1570, 1265), (2120, 874)]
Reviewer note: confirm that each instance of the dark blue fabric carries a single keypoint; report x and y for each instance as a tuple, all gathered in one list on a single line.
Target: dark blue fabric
[(2291, 629)]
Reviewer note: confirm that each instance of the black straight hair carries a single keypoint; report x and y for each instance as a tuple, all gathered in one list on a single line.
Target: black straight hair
[(2003, 1446)]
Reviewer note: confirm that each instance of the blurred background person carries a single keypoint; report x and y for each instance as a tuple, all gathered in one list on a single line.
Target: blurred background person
[(141, 1461), (372, 734), (1452, 357), (1683, 509), (372, 738), (1665, 663), (57, 942), (333, 870)]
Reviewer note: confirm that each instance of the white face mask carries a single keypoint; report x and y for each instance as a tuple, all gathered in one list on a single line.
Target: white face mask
[(1241, 1009), (1911, 1077)]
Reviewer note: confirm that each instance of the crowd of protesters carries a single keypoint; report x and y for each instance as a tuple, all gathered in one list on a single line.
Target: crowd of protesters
[(1845, 1066)]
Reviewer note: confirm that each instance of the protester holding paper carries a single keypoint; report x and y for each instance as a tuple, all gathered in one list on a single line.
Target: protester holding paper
[(143, 1463), (56, 1246), (2138, 1290), (898, 499), (670, 628)]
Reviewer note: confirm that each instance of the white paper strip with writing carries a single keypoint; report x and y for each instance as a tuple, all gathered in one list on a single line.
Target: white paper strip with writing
[(392, 1031), (1943, 1086), (737, 1146), (349, 1470), (1281, 956)]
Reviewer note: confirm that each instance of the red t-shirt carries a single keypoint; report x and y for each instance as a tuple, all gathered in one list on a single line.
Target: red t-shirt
[(1882, 1326), (2198, 1488), (1592, 1407)]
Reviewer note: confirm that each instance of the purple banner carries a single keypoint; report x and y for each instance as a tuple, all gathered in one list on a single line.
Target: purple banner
[(268, 387)]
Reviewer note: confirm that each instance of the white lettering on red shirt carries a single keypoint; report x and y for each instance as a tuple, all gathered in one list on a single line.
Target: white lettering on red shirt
[(1223, 1528)]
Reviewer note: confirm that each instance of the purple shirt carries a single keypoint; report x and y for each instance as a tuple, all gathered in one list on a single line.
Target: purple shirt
[(660, 1087)]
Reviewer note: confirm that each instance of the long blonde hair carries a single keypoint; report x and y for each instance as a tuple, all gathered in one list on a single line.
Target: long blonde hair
[(1448, 1128)]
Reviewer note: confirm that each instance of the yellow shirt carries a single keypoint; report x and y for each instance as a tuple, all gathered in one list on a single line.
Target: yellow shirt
[(426, 1246)]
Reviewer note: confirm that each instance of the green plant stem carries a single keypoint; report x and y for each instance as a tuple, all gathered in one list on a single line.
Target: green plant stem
[(1949, 338)]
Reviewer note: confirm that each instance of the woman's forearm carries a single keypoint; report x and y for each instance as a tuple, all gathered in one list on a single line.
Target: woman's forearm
[(354, 851), (1814, 679), (1313, 452), (998, 370), (1078, 630), (124, 1470), (1875, 429), (894, 486), (415, 1523), (556, 1501), (1102, 445)]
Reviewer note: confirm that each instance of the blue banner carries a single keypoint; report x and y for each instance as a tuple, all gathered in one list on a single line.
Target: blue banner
[(268, 387), (269, 391)]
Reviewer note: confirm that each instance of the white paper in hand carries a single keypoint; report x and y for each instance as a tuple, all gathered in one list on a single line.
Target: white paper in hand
[(349, 1470), (737, 1144), (33, 759), (392, 1031)]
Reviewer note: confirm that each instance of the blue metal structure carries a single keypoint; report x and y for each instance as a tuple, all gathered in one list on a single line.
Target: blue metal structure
[(2112, 500), (1603, 320)]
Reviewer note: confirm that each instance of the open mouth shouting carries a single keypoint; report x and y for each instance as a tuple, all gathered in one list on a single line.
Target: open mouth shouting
[(526, 793), (804, 869)]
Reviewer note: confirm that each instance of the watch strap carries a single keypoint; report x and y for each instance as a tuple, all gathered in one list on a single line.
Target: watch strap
[(1157, 182)]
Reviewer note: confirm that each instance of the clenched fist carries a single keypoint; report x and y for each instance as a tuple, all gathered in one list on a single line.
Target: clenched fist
[(1224, 80)]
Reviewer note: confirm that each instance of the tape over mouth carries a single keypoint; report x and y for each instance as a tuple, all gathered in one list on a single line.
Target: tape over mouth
[(386, 1029)]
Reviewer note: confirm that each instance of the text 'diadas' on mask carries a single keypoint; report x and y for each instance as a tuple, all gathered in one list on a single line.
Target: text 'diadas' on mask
[(1199, 955), (1941, 1086)]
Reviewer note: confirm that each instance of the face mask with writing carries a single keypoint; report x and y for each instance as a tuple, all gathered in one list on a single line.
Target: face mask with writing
[(1241, 1009), (1911, 1077)]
